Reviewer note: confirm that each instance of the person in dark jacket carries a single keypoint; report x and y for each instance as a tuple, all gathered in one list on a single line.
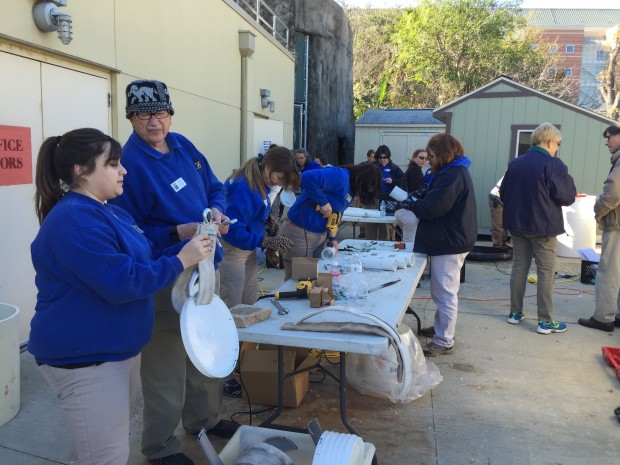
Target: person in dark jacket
[(303, 162), (412, 181), (535, 187), (447, 233), (391, 177)]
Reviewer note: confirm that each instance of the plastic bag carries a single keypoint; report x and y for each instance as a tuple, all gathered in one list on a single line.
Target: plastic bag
[(377, 375)]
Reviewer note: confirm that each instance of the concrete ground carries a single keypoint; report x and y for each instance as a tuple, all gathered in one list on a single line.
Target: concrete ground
[(508, 395)]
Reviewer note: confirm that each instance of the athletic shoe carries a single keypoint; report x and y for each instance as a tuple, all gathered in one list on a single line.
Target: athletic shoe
[(433, 350), (548, 327), (515, 318)]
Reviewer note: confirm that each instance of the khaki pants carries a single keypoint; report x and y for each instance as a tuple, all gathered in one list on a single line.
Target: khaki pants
[(305, 244), (173, 389), (408, 223), (499, 235), (544, 250), (608, 279), (97, 402), (238, 276)]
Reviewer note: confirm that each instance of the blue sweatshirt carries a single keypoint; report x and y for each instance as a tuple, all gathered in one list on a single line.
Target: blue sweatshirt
[(319, 187), (250, 211), (95, 276), (164, 190)]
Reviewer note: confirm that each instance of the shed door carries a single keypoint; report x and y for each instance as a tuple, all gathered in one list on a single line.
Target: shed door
[(49, 100)]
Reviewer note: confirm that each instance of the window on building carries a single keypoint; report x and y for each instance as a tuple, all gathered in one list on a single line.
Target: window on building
[(570, 49), (553, 49), (534, 46), (568, 71), (524, 141), (601, 55), (551, 70)]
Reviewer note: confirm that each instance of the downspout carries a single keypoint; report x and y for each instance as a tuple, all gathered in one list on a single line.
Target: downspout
[(246, 48)]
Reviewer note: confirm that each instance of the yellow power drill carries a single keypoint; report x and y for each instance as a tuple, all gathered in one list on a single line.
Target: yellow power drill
[(332, 231), (302, 290)]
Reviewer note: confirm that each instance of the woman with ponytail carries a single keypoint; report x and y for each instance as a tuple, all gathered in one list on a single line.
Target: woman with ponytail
[(95, 274), (248, 202)]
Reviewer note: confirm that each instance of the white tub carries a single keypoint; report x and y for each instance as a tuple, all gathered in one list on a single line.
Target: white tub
[(9, 362)]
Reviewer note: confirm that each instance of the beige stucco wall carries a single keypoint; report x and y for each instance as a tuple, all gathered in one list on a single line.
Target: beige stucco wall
[(191, 45)]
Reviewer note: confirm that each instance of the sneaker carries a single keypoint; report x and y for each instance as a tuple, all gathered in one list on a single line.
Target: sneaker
[(515, 318), (433, 350), (174, 459), (548, 327)]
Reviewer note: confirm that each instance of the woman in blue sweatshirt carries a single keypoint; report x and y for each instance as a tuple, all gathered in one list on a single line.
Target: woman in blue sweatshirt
[(248, 202), (324, 192), (95, 275)]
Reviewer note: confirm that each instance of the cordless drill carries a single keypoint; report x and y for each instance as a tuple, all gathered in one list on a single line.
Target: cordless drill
[(302, 290), (332, 231)]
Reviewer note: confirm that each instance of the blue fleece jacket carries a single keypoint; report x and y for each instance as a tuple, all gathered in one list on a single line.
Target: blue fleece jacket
[(250, 211), (95, 276), (164, 190), (318, 187), (535, 188)]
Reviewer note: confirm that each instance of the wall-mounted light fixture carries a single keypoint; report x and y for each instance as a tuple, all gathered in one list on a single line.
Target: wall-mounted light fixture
[(49, 18), (265, 101)]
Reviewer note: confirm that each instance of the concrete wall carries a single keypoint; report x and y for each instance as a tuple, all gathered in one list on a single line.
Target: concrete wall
[(331, 125), (192, 45)]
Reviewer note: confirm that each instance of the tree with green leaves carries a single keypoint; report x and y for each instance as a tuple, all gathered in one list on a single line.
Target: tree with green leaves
[(443, 49)]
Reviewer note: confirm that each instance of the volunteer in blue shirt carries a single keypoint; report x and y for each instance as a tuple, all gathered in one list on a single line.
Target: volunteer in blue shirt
[(248, 202), (95, 275), (323, 192), (169, 185)]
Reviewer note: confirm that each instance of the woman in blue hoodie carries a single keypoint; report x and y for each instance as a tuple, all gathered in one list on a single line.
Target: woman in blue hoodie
[(95, 275), (248, 202), (447, 232), (323, 193)]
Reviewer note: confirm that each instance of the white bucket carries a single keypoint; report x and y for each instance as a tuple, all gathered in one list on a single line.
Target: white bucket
[(580, 227), (9, 362)]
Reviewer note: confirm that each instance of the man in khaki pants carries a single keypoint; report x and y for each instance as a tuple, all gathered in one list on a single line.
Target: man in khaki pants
[(607, 214)]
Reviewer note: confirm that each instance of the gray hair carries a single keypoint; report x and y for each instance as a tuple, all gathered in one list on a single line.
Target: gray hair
[(546, 132)]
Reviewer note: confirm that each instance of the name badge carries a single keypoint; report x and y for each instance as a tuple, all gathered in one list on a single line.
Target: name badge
[(178, 184), (349, 198)]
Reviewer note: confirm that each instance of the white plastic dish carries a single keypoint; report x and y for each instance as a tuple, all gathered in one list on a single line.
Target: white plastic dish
[(287, 198), (210, 337)]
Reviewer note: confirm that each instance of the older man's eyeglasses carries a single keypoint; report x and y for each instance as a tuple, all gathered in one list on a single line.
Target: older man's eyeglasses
[(144, 116)]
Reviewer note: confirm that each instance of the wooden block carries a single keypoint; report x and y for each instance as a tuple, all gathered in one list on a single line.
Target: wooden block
[(247, 315)]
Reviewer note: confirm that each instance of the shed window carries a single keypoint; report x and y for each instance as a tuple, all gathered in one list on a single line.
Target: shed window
[(553, 49), (568, 71), (524, 141), (551, 70), (570, 49)]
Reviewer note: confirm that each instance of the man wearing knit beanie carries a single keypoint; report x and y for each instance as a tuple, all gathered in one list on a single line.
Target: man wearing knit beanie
[(168, 185)]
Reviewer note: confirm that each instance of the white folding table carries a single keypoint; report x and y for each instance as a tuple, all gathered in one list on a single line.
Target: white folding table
[(389, 304)]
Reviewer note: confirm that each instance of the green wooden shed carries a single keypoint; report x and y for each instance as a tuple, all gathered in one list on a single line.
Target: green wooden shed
[(494, 123)]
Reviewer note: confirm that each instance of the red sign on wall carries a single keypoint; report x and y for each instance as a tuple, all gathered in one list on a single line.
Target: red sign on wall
[(15, 156)]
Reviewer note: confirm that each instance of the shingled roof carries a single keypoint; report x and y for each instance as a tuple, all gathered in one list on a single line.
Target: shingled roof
[(399, 116)]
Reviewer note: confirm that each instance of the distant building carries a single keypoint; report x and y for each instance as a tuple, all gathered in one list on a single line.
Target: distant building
[(583, 39)]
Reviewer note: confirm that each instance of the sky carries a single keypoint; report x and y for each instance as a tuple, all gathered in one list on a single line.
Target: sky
[(525, 4)]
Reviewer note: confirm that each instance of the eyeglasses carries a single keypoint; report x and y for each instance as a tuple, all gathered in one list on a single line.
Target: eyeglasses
[(382, 158), (144, 115), (421, 158)]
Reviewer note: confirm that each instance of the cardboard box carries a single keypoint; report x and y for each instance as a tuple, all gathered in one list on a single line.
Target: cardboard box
[(305, 268), (321, 294), (259, 373)]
